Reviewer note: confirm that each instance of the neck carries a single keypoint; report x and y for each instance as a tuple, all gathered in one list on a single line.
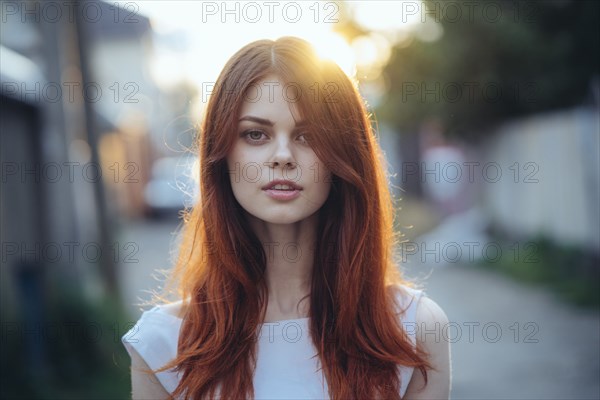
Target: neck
[(290, 257)]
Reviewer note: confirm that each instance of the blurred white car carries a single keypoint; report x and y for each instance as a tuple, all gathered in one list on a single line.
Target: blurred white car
[(173, 185)]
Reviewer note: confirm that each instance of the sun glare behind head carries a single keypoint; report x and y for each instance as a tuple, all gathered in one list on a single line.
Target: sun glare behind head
[(333, 47)]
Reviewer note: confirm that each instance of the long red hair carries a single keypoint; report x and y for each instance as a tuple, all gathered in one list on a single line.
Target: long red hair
[(354, 318)]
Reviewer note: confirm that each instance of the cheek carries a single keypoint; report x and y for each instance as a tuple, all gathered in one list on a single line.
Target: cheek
[(324, 176), (233, 157), (235, 163), (243, 158)]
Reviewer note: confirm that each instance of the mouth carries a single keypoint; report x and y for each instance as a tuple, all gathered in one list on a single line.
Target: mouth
[(282, 186), (283, 194), (282, 190)]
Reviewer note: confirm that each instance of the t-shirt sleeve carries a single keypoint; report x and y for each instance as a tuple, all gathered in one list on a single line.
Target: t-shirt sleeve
[(409, 323), (154, 337), (409, 319)]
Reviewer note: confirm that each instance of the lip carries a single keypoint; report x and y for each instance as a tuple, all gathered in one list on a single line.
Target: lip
[(282, 194), (282, 182)]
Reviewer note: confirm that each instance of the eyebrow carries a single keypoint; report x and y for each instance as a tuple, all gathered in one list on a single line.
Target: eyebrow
[(267, 122)]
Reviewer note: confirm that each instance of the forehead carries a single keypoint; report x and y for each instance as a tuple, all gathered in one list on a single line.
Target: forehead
[(271, 98)]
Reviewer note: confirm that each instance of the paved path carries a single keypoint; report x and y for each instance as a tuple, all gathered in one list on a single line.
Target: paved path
[(555, 356), (509, 340), (153, 240)]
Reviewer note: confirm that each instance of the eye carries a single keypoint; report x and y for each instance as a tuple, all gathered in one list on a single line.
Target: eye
[(303, 137), (253, 135)]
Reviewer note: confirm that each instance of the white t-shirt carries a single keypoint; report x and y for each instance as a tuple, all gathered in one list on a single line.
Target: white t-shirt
[(287, 366)]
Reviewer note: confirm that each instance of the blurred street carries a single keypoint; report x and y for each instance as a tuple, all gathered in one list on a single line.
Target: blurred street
[(152, 239), (511, 368), (507, 337), (560, 341), (540, 335)]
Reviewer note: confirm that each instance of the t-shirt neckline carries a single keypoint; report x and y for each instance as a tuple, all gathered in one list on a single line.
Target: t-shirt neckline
[(283, 321)]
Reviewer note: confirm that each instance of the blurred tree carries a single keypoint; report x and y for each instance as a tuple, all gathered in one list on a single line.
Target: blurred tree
[(494, 60)]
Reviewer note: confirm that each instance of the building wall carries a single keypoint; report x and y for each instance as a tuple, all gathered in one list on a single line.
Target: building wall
[(550, 177)]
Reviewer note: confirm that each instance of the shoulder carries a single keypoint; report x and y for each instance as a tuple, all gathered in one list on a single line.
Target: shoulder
[(406, 300), (430, 313), (154, 340), (176, 309), (156, 331), (417, 306), (431, 321)]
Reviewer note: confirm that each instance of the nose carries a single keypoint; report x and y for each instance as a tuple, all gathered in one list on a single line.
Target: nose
[(283, 155)]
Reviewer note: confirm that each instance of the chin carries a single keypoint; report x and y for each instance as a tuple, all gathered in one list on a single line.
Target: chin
[(281, 220), (276, 218)]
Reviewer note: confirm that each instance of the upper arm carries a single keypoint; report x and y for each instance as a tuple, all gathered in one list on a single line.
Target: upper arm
[(144, 385), (431, 319)]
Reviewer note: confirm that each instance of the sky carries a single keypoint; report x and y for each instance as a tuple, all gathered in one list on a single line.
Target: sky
[(194, 39)]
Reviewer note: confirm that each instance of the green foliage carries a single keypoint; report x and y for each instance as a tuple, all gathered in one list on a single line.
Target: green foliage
[(82, 356), (569, 271), (533, 57)]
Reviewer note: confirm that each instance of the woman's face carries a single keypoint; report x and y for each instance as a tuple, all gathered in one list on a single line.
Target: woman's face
[(270, 145)]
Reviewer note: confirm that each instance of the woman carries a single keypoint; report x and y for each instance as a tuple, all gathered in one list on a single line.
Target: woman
[(286, 272)]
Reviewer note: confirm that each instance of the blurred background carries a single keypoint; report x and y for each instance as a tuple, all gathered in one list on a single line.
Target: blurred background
[(487, 114)]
